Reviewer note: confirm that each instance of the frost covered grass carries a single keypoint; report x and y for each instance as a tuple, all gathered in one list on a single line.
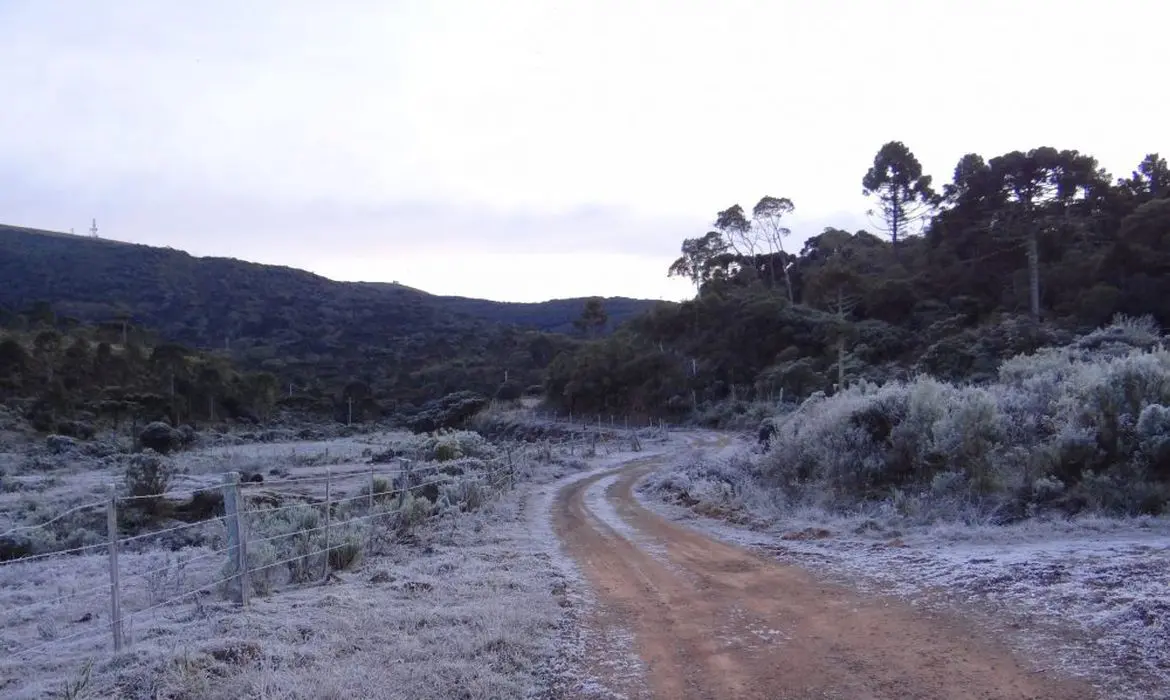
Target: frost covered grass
[(457, 589), (466, 610)]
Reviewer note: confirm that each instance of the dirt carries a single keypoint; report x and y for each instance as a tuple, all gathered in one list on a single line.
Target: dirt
[(712, 620)]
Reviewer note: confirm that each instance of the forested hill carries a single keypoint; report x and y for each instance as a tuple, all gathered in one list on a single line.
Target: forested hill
[(384, 341), (1012, 253)]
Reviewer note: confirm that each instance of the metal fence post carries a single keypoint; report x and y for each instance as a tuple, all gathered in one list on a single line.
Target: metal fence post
[(236, 536), (115, 590)]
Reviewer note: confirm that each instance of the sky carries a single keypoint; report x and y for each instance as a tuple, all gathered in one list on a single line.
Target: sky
[(523, 150)]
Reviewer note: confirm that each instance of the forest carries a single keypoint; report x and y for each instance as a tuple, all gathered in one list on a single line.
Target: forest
[(1016, 252), (84, 322)]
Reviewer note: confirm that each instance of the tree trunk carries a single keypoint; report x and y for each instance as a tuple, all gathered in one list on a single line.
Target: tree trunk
[(840, 340), (1034, 274)]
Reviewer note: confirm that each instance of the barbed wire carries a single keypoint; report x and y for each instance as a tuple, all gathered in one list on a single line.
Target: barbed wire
[(46, 555), (176, 528), (497, 475), (71, 511)]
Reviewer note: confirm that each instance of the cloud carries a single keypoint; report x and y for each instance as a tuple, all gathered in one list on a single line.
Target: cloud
[(304, 130)]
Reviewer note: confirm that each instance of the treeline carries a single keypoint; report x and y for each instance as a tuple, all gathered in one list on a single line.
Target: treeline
[(70, 377), (1014, 253), (73, 378)]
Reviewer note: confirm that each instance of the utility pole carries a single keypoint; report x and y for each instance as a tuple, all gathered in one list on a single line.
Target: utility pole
[(349, 418), (93, 229)]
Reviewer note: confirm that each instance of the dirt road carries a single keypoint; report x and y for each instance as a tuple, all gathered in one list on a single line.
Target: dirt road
[(711, 620)]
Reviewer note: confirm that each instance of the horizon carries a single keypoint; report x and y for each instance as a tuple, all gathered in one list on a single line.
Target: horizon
[(499, 153), (98, 239)]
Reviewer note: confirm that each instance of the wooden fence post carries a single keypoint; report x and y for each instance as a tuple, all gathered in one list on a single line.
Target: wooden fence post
[(328, 514), (236, 537), (115, 589)]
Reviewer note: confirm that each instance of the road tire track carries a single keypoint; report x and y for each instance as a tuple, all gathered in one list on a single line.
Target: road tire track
[(716, 621)]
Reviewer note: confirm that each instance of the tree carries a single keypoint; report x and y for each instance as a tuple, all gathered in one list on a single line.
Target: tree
[(1150, 181), (210, 383), (593, 318), (836, 285), (261, 389), (737, 230), (1035, 190), (46, 346), (169, 361), (766, 218), (904, 196), (698, 259)]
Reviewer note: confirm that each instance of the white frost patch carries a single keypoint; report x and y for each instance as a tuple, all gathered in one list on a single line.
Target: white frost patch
[(603, 509)]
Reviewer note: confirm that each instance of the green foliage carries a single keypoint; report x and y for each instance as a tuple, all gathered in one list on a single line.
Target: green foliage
[(902, 192), (953, 304), (306, 331)]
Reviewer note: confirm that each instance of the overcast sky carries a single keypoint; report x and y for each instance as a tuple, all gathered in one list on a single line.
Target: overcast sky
[(533, 149)]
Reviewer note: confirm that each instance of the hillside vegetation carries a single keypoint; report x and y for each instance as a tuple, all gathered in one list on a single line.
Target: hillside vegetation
[(1015, 253), (322, 342)]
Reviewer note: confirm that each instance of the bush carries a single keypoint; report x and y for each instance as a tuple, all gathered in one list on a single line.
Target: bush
[(148, 474), (75, 429), (60, 444), (1080, 426), (160, 437), (451, 411)]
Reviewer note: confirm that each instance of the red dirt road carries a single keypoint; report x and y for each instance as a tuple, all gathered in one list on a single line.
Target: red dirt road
[(711, 620)]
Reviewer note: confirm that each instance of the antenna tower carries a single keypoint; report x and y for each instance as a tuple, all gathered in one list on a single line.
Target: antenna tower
[(93, 229)]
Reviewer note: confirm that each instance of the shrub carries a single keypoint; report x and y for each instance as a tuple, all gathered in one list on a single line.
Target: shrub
[(1080, 426), (60, 444), (160, 437), (451, 411), (148, 474)]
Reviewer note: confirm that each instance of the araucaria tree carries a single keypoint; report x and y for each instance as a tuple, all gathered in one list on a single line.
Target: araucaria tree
[(1036, 192), (593, 318), (903, 194)]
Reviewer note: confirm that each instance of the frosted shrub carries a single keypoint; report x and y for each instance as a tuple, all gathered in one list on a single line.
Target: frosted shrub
[(1081, 426), (295, 538), (444, 445), (148, 474)]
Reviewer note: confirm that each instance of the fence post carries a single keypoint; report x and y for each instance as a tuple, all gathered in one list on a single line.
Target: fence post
[(370, 504), (328, 508), (115, 589), (236, 537), (511, 470)]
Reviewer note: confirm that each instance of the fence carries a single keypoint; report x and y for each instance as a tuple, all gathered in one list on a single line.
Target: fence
[(301, 528)]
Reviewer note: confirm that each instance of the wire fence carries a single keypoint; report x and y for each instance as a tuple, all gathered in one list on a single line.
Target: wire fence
[(98, 597)]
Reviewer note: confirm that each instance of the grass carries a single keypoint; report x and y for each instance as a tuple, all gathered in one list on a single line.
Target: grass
[(465, 603)]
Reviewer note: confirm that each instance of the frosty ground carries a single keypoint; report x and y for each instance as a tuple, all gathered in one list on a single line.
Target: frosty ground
[(475, 604), (484, 603), (1089, 596)]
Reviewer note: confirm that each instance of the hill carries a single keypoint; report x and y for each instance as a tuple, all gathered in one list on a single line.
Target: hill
[(384, 343)]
